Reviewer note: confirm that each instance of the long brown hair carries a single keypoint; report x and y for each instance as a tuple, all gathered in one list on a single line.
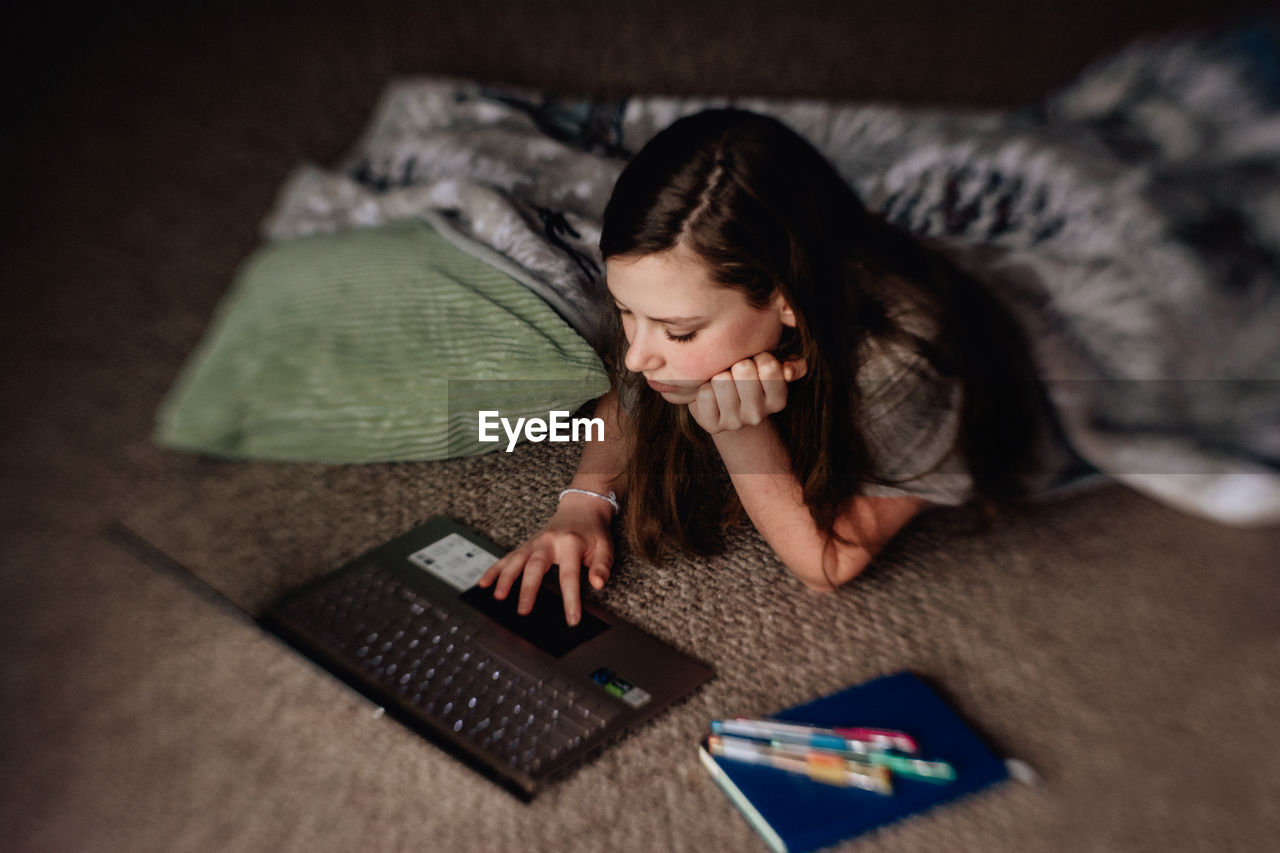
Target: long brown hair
[(767, 213)]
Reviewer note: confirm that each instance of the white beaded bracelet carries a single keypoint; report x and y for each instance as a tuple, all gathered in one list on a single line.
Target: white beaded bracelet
[(611, 497)]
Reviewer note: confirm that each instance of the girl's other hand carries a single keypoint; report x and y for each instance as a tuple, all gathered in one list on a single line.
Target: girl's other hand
[(745, 394), (577, 535)]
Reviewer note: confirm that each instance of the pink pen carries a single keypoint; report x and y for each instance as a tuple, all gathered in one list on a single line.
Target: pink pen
[(884, 738)]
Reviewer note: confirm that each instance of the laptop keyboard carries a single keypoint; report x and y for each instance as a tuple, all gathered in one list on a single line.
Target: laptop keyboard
[(435, 662)]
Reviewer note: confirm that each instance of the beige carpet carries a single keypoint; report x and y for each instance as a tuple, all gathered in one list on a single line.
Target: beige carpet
[(1129, 653)]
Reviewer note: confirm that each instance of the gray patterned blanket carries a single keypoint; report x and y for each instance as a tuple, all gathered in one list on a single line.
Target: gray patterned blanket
[(1130, 219)]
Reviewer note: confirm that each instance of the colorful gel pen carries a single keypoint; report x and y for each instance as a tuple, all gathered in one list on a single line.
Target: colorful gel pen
[(902, 765), (914, 768), (826, 768), (886, 738), (852, 739), (818, 738)]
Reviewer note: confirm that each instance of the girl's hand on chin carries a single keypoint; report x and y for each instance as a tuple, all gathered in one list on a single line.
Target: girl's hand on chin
[(745, 394)]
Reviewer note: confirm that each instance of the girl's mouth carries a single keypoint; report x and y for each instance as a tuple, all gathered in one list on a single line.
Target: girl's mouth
[(662, 387)]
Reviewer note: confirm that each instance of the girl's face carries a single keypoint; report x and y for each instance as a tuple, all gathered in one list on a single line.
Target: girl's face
[(682, 327)]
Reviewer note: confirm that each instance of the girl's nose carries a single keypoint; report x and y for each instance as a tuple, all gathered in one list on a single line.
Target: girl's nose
[(640, 356)]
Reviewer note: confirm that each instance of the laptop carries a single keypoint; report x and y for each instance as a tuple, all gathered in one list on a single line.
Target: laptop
[(523, 699)]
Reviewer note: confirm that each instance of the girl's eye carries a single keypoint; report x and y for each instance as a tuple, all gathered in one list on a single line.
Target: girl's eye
[(681, 338)]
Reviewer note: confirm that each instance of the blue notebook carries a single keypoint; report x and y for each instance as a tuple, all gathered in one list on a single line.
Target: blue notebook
[(796, 814)]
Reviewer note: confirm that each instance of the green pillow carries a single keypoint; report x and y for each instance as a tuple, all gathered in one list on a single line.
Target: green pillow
[(371, 345)]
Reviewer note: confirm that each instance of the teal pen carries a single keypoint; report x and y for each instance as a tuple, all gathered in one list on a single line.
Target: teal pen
[(902, 765)]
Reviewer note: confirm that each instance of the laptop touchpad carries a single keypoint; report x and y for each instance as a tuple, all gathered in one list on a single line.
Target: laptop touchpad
[(545, 626)]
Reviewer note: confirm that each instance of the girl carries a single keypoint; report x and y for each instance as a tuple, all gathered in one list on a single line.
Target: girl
[(779, 350)]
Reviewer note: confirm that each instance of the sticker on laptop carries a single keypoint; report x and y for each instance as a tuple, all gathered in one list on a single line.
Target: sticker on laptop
[(455, 560), (623, 689)]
